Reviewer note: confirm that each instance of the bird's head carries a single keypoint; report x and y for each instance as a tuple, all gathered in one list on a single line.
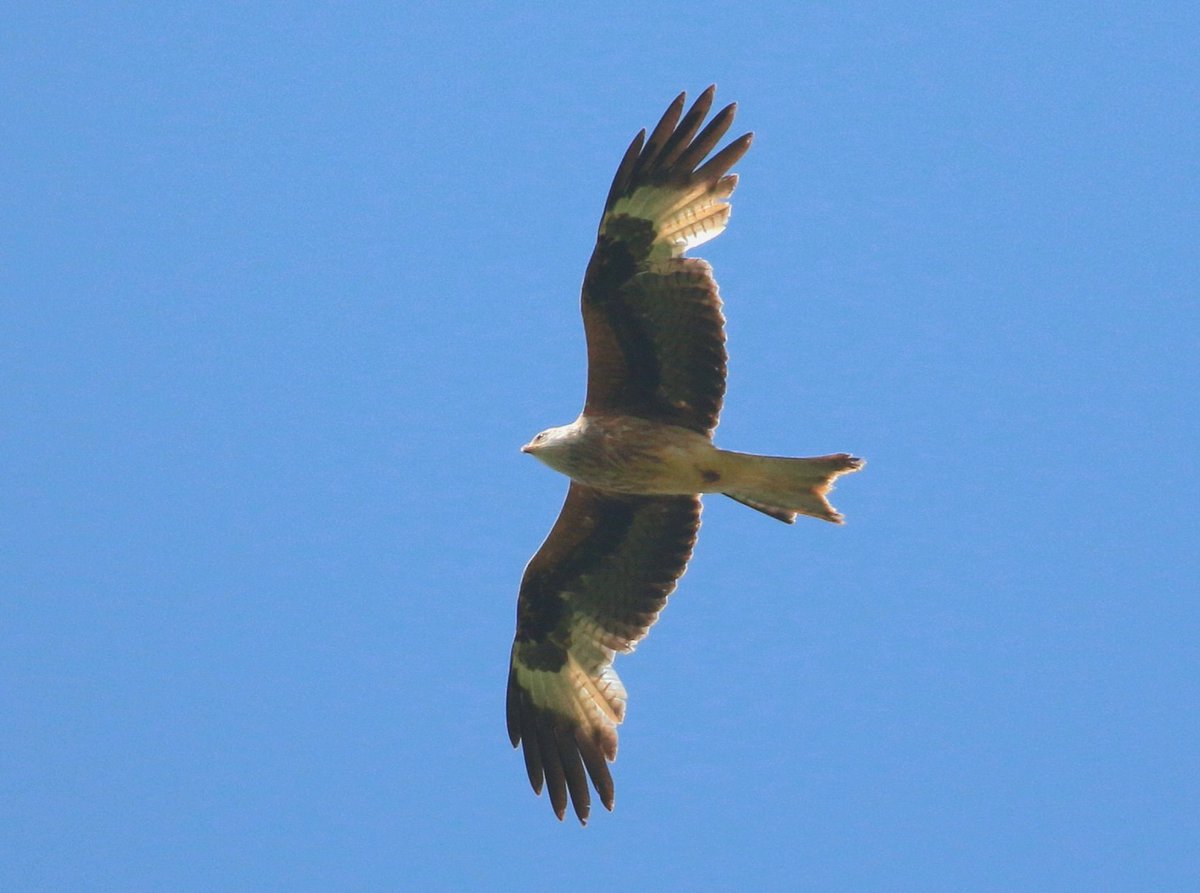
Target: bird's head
[(543, 441), (552, 445)]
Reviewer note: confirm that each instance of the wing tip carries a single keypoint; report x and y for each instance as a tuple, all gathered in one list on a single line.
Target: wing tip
[(560, 754)]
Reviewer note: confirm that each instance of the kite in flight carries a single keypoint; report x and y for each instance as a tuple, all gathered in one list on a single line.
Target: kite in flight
[(639, 455)]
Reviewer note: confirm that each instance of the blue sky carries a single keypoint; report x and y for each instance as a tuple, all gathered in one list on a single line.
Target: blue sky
[(282, 290)]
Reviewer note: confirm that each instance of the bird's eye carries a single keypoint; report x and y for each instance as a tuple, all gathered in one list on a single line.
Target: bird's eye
[(540, 437)]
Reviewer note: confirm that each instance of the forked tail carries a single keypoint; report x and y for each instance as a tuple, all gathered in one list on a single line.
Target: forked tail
[(784, 488)]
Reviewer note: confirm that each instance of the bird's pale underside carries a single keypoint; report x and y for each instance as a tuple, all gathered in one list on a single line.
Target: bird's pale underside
[(638, 456)]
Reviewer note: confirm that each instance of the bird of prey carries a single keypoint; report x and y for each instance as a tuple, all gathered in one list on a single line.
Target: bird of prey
[(639, 455)]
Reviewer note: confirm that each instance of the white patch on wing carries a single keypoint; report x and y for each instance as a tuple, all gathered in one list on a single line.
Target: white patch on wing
[(594, 700), (585, 629), (683, 217)]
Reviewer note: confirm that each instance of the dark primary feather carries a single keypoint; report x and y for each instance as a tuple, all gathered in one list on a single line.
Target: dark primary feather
[(683, 134), (654, 327), (717, 166), (671, 155), (594, 588), (658, 138), (709, 137)]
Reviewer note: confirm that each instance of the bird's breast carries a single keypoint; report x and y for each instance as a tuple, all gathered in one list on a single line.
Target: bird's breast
[(627, 454)]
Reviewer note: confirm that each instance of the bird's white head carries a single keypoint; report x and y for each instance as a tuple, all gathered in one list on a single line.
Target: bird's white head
[(553, 445)]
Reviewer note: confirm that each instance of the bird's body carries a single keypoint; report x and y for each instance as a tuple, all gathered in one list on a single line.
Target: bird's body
[(627, 454), (639, 455)]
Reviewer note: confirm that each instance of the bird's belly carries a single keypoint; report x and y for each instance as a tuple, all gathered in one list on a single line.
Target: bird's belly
[(632, 455)]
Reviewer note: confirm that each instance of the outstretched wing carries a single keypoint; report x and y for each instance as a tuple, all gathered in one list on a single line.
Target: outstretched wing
[(592, 590), (655, 333)]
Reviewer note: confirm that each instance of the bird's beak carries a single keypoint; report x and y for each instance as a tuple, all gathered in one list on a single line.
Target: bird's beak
[(528, 448)]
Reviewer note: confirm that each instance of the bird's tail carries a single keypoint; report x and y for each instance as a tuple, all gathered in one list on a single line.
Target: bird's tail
[(783, 488)]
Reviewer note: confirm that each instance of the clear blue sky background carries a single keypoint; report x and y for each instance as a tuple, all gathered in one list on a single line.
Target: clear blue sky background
[(284, 287)]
